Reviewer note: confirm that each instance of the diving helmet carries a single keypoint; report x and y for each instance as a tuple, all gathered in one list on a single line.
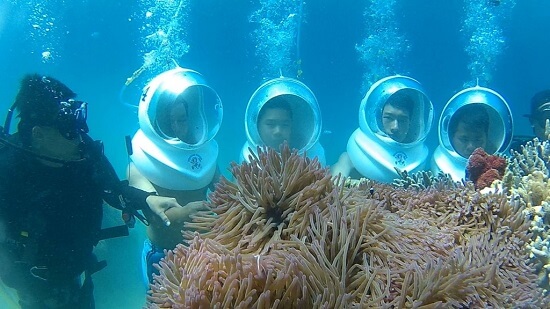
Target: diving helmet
[(186, 88), (482, 103), (179, 115), (374, 149), (405, 93)]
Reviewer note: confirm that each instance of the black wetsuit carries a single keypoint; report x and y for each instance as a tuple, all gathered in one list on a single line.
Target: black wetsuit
[(52, 218)]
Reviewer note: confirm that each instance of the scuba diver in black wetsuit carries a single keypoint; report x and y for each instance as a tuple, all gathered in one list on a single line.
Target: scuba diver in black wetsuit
[(53, 181), (540, 113)]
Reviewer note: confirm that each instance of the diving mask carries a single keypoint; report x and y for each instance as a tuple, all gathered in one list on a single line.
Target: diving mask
[(71, 119)]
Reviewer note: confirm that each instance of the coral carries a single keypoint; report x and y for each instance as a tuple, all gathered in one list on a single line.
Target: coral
[(423, 180), (477, 164), (486, 178), (527, 182), (534, 156), (483, 168), (287, 236)]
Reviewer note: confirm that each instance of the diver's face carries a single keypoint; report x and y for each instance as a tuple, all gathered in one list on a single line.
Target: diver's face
[(395, 122), (48, 141), (179, 122), (275, 127), (466, 139)]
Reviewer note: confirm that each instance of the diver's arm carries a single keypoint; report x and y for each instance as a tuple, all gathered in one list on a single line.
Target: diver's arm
[(118, 193), (179, 215), (167, 208), (344, 166)]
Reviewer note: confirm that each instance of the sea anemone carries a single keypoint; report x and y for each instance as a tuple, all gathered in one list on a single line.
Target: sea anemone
[(208, 275), (270, 198), (287, 235)]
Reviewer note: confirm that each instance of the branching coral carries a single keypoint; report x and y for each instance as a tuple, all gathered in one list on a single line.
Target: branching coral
[(286, 236), (527, 182), (423, 180), (534, 156)]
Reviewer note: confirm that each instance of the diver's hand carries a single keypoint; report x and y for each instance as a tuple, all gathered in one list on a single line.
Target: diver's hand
[(160, 204), (180, 216)]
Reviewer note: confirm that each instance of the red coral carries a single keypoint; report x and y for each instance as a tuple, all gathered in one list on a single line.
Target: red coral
[(487, 178), (483, 168), (477, 164), (498, 163)]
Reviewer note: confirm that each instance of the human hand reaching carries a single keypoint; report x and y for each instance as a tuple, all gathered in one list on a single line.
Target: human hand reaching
[(160, 204)]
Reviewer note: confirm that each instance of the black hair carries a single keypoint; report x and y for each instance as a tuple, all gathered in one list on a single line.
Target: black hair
[(402, 101), (37, 103), (473, 116), (276, 102)]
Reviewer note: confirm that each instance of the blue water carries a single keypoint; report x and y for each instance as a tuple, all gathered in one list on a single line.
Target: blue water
[(96, 45)]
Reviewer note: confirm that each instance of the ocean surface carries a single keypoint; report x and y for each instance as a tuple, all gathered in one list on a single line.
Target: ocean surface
[(95, 46)]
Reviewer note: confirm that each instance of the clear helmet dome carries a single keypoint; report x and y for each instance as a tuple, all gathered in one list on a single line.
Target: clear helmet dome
[(396, 111), (483, 109), (178, 108), (288, 103)]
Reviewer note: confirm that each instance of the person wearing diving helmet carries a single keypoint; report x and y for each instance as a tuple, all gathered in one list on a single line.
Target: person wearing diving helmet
[(283, 110), (475, 117), (54, 179), (175, 154), (395, 117)]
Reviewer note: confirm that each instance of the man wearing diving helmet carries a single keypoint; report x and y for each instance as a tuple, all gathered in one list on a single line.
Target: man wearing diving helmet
[(282, 110), (475, 117), (395, 117), (53, 181)]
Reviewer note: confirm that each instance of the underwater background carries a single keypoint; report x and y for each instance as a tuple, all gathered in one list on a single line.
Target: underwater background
[(337, 47)]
